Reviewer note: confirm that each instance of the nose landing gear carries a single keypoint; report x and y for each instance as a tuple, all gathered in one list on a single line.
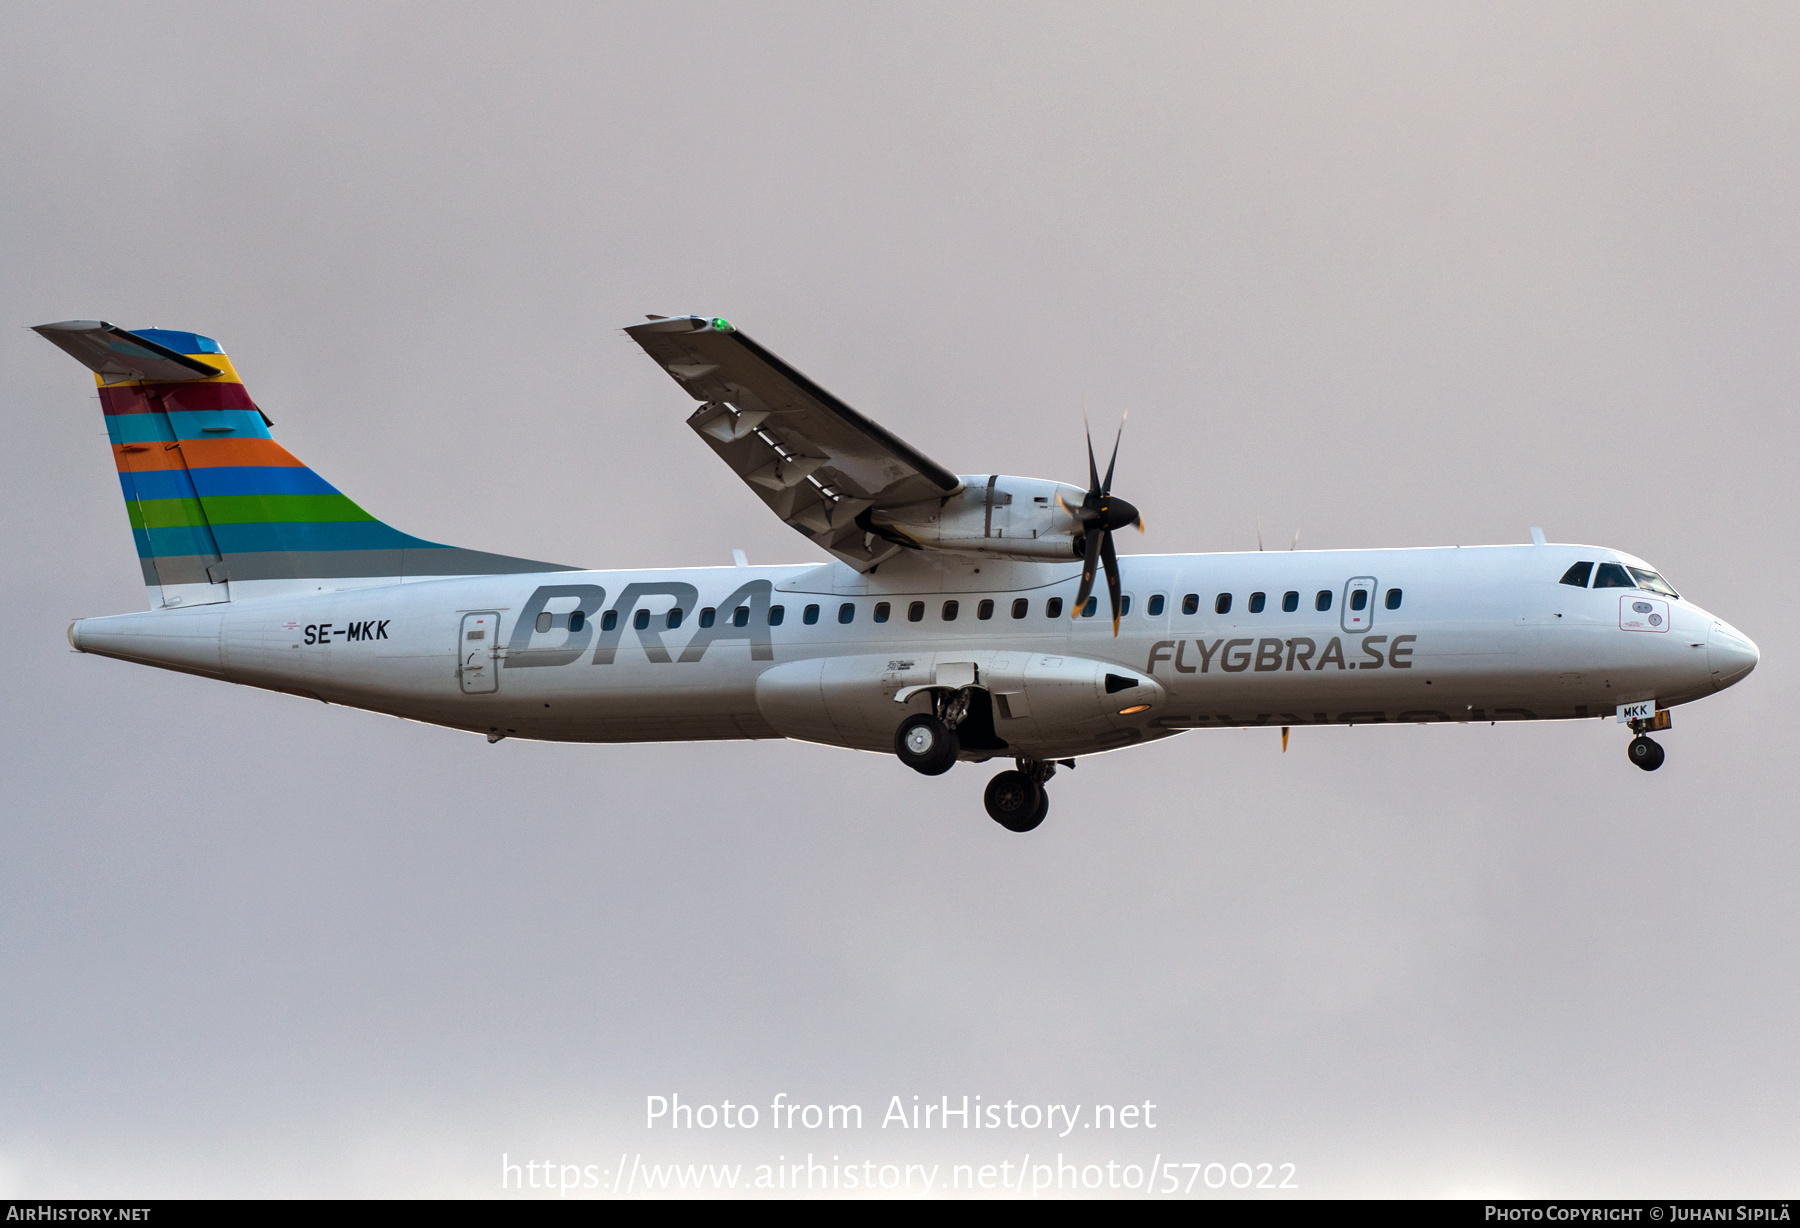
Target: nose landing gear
[(1016, 798), (1645, 753)]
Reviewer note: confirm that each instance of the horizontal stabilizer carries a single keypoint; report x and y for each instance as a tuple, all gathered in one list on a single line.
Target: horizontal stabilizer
[(116, 355)]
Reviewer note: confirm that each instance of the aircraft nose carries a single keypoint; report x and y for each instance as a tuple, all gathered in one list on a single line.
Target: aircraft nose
[(1731, 654)]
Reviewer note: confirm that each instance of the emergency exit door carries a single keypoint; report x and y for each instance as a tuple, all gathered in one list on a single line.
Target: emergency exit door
[(1359, 604), (477, 666)]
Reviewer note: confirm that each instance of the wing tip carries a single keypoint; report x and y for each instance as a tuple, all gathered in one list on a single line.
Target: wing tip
[(682, 324)]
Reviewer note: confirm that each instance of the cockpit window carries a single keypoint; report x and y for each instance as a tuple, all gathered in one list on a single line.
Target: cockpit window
[(1647, 579), (1578, 574), (1611, 575)]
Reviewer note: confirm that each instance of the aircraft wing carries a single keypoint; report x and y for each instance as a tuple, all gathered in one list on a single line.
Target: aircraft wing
[(818, 464)]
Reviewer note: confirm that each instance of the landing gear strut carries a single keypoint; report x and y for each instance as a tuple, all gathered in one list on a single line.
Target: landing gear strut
[(1016, 798), (1645, 753)]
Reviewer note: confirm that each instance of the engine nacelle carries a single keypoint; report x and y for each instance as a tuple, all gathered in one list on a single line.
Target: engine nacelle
[(1004, 517)]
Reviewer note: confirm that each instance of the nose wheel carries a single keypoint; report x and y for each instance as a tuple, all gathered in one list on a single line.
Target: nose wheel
[(1645, 753)]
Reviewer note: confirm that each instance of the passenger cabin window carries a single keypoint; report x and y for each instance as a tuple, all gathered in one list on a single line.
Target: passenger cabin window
[(1611, 575), (1257, 601), (985, 610), (915, 611), (1393, 599), (1290, 602), (1222, 604), (609, 620), (1322, 599), (847, 612), (577, 620), (1578, 574), (673, 620), (740, 617), (1053, 608), (1092, 607), (810, 615), (1359, 600), (949, 611), (1021, 607), (1190, 604), (543, 621), (1154, 607), (1653, 582), (882, 610), (707, 615), (641, 619), (776, 614), (1124, 604)]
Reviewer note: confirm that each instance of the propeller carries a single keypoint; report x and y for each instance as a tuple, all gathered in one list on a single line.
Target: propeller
[(1100, 513)]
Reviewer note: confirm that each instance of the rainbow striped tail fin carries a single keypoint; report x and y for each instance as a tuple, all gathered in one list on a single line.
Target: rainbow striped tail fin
[(215, 503)]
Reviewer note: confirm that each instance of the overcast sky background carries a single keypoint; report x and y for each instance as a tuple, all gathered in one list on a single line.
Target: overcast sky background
[(1388, 275)]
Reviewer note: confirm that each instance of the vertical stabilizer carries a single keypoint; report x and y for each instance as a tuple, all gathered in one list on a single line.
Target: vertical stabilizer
[(217, 507)]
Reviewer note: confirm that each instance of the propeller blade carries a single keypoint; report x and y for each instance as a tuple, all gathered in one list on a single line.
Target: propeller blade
[(1112, 577), (1088, 567), (1259, 531), (1284, 734), (1093, 469), (1083, 515), (1106, 486)]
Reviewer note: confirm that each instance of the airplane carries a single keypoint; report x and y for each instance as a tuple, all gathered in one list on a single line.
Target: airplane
[(957, 619)]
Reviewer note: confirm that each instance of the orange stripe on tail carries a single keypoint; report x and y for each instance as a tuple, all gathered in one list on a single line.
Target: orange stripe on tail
[(202, 454)]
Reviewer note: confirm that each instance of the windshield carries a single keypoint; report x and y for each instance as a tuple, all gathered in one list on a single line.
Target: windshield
[(1647, 579)]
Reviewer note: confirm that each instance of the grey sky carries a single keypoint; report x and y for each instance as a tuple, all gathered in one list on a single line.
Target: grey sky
[(1390, 275)]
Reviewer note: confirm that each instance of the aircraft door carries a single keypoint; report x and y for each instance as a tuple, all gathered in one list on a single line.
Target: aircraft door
[(477, 667), (1359, 604)]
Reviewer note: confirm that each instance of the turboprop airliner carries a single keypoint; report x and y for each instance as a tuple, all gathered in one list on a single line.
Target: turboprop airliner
[(957, 619)]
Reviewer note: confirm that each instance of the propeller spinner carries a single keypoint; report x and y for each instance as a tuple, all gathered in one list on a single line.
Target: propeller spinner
[(1100, 513)]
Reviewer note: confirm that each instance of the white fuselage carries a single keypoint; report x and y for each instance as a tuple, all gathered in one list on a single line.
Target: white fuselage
[(1479, 634)]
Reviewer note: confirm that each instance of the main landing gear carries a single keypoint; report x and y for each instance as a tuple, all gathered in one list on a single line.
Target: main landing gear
[(1016, 798), (927, 742)]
